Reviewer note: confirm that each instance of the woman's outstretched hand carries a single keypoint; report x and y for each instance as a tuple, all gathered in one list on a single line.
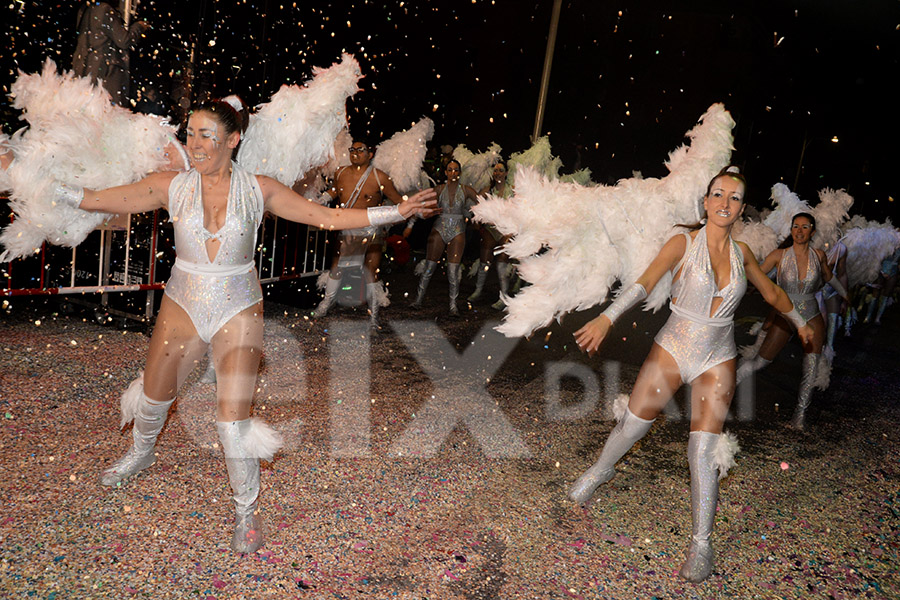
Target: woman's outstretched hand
[(422, 204), (592, 334)]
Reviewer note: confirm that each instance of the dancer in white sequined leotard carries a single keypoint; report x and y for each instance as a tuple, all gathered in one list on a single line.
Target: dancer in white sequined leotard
[(695, 346), (797, 258), (448, 232), (214, 295)]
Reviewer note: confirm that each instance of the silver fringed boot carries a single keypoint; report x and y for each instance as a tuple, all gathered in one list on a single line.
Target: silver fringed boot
[(810, 363), (244, 443), (479, 281), (623, 436), (149, 418), (454, 274), (424, 279), (704, 496), (331, 290)]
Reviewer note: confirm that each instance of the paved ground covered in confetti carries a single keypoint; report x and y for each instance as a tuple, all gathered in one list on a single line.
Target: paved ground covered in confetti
[(432, 461)]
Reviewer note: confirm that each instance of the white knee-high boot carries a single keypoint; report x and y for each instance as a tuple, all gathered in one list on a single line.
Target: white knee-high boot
[(454, 274), (480, 278), (623, 436), (804, 397), (331, 290), (424, 279), (244, 443), (704, 497), (149, 417)]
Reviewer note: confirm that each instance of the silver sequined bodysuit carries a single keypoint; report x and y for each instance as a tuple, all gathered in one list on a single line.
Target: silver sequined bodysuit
[(212, 292), (697, 340), (802, 292), (452, 220)]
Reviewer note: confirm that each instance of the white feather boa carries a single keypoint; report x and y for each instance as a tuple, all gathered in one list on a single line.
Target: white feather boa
[(573, 242), (401, 157), (295, 131), (78, 137)]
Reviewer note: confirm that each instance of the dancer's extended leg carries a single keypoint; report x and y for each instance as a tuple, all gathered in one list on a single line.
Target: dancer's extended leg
[(657, 381)]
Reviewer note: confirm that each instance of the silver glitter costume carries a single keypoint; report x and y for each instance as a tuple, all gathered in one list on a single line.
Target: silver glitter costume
[(214, 291), (697, 340), (802, 292), (452, 220)]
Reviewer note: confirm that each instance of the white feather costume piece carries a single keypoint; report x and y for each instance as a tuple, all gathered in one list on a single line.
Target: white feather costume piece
[(263, 441), (382, 295), (830, 213), (868, 243), (726, 449), (295, 131), (620, 405), (823, 369), (131, 400), (538, 157), (760, 238), (341, 157), (402, 156), (751, 350), (78, 137), (787, 204), (5, 183), (581, 177), (595, 235), (477, 169)]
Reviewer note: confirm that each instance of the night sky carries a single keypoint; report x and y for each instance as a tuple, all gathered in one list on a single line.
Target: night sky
[(627, 81)]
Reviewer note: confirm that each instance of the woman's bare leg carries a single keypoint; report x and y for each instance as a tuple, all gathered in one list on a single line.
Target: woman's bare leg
[(656, 383), (175, 349), (711, 395)]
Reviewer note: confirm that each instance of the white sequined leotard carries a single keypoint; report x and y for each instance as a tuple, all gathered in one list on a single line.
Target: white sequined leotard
[(697, 340), (802, 292), (452, 220), (212, 292)]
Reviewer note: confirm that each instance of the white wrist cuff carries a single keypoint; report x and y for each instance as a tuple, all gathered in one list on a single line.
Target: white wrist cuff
[(69, 195), (794, 317), (384, 215), (626, 300)]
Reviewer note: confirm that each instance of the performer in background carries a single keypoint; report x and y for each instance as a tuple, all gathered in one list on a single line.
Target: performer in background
[(359, 185), (103, 44), (491, 239), (695, 346), (448, 233), (799, 257)]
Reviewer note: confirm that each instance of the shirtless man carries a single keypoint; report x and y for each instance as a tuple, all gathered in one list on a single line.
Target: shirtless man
[(359, 185)]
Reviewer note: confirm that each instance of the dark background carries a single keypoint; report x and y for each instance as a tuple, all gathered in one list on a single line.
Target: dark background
[(628, 79)]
